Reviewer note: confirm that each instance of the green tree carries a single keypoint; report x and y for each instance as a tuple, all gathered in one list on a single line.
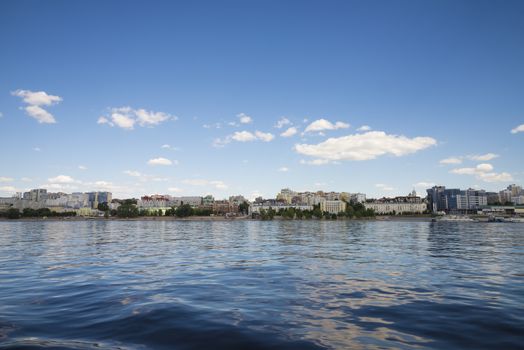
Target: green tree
[(127, 211), (103, 206), (184, 211), (13, 213), (243, 208)]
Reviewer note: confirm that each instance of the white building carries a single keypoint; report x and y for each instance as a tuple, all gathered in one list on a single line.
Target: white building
[(257, 207), (382, 208), (333, 206)]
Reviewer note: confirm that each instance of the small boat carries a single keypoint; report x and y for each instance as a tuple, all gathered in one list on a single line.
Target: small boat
[(517, 220)]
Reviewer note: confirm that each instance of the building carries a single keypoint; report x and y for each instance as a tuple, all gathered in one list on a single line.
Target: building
[(410, 204), (471, 199), (222, 207), (257, 207), (357, 198), (208, 201), (237, 200), (333, 206)]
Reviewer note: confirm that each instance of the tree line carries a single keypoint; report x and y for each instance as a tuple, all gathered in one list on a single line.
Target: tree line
[(353, 210)]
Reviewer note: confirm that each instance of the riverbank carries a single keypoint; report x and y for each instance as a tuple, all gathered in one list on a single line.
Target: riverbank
[(216, 218)]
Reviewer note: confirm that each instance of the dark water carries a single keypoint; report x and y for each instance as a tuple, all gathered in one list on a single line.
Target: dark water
[(261, 285)]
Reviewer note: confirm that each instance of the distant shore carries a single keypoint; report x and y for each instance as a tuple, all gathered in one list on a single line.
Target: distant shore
[(217, 218)]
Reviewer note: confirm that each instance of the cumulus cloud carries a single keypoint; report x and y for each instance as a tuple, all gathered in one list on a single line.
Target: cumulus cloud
[(323, 124), (160, 161), (483, 157), (289, 132), (244, 118), (451, 160), (364, 128), (63, 179), (517, 129), (127, 118), (244, 136), (484, 172), (82, 167), (366, 146), (35, 101), (220, 185), (6, 179), (283, 169), (282, 122), (264, 136)]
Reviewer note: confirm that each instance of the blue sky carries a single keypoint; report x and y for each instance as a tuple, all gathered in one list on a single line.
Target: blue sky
[(182, 98)]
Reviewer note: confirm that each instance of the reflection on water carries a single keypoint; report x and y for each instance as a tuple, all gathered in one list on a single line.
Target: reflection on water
[(258, 285)]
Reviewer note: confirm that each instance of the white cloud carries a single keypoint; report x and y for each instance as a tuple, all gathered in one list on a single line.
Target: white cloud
[(220, 185), (369, 145), (282, 122), (483, 157), (82, 167), (289, 132), (123, 121), (218, 142), (174, 190), (481, 168), (384, 187), (1, 114), (6, 179), (169, 147), (8, 189), (364, 128), (37, 149), (451, 160), (244, 118), (35, 101), (145, 118), (517, 129), (243, 136), (209, 126), (38, 98), (40, 114), (127, 117), (133, 173), (160, 161), (283, 169), (264, 136), (484, 172), (104, 120), (63, 179), (323, 124)]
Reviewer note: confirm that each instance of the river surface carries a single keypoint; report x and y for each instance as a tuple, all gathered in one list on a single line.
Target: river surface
[(261, 285)]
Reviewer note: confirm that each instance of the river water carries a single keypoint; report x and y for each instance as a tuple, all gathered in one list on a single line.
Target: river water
[(261, 285)]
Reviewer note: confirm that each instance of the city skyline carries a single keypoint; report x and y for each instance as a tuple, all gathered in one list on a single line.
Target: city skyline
[(234, 99)]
